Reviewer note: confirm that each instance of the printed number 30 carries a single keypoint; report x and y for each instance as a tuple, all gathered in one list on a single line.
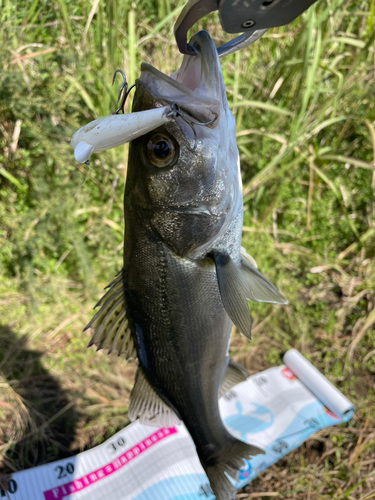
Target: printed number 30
[(114, 445), (63, 471)]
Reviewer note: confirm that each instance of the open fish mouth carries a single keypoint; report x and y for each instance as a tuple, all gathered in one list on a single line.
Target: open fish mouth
[(201, 73), (197, 87)]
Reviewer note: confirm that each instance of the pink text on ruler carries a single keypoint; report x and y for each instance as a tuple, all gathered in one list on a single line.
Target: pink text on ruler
[(80, 483)]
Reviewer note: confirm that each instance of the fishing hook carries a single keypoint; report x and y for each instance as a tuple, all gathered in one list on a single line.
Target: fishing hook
[(124, 91), (176, 111)]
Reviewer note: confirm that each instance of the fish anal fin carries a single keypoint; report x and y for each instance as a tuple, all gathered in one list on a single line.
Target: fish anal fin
[(261, 289), (148, 406), (111, 322), (229, 460), (234, 375), (234, 292)]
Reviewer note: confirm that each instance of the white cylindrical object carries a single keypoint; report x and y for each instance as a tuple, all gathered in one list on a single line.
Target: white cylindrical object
[(111, 131), (322, 388)]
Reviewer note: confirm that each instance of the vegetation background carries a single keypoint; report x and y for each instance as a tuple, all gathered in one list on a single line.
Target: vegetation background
[(304, 101)]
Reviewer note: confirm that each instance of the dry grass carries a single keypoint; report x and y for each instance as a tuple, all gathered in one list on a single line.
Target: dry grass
[(58, 399)]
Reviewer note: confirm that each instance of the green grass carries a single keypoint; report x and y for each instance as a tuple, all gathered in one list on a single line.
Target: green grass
[(303, 98)]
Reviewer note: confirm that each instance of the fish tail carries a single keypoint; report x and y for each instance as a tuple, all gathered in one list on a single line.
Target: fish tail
[(229, 460)]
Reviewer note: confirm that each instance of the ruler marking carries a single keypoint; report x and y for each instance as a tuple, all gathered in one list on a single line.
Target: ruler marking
[(59, 492)]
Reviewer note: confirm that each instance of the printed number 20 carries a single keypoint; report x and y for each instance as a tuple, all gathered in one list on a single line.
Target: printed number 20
[(62, 471)]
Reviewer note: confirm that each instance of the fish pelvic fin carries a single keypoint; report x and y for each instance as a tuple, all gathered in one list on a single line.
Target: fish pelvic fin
[(111, 324), (227, 462), (148, 406), (234, 375), (240, 282)]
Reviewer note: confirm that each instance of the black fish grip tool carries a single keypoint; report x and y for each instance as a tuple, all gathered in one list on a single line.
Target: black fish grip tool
[(252, 17)]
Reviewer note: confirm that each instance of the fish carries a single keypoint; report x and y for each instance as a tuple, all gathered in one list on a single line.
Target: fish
[(185, 279)]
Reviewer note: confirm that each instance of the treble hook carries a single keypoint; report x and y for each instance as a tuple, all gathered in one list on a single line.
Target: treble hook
[(124, 91), (191, 122)]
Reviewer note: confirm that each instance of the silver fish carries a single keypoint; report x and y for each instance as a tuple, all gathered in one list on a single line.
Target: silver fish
[(184, 279)]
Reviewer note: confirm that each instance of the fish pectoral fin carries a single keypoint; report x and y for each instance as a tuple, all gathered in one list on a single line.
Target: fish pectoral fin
[(248, 258), (148, 406), (234, 291), (240, 282), (234, 375), (261, 289), (111, 324)]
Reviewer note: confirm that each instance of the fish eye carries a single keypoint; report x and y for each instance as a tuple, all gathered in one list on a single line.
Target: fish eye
[(161, 150)]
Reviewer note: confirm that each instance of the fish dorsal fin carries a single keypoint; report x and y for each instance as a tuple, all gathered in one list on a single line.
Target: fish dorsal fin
[(148, 406), (234, 375), (111, 324), (261, 289), (234, 291)]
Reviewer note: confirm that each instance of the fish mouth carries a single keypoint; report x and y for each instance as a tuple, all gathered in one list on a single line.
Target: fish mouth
[(197, 87), (201, 73)]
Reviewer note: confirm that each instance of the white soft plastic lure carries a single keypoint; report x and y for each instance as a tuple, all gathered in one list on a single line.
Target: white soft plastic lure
[(114, 130)]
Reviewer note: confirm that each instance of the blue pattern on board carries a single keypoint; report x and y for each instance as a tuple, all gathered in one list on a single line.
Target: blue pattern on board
[(258, 420), (309, 419)]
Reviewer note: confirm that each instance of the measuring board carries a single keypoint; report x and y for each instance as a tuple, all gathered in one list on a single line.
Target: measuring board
[(273, 409)]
